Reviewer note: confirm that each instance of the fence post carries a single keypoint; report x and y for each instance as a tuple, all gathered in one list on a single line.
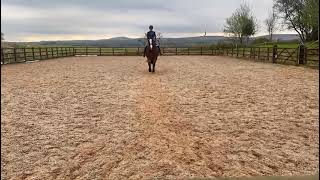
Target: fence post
[(25, 54), (40, 53), (274, 54), (243, 51), (302, 52), (32, 53), (47, 53), (112, 52), (306, 55), (237, 51), (138, 53), (268, 52), (201, 50), (51, 52), (176, 51), (15, 54), (188, 51), (100, 51), (259, 53), (254, 53), (2, 56), (232, 52)]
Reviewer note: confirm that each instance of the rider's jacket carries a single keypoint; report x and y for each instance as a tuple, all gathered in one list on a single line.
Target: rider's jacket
[(151, 35)]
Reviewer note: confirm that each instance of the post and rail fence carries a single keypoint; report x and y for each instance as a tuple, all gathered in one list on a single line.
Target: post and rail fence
[(294, 56)]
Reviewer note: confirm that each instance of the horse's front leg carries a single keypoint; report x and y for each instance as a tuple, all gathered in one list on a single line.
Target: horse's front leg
[(149, 64), (154, 66)]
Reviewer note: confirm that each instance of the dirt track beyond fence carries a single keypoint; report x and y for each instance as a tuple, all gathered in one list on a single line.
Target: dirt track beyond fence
[(197, 116)]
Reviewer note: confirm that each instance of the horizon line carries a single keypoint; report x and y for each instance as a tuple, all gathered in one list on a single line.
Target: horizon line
[(134, 37)]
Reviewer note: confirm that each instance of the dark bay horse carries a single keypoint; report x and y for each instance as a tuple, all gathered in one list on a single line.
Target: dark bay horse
[(152, 53)]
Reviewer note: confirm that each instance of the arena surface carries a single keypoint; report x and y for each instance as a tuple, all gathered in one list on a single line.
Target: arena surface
[(196, 116)]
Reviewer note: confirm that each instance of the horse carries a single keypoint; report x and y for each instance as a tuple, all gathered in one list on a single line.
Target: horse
[(152, 53)]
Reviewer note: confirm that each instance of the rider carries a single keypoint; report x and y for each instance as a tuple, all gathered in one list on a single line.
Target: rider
[(151, 35)]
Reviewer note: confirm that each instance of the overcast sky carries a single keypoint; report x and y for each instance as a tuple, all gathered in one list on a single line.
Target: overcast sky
[(35, 20)]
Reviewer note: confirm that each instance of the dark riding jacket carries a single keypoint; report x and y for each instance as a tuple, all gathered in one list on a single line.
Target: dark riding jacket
[(152, 35)]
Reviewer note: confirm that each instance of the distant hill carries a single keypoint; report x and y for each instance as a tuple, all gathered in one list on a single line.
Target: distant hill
[(139, 42), (164, 42), (281, 37)]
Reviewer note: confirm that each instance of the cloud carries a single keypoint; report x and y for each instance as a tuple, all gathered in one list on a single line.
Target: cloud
[(73, 19)]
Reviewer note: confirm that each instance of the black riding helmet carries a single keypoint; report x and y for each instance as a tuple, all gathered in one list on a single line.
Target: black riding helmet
[(150, 27)]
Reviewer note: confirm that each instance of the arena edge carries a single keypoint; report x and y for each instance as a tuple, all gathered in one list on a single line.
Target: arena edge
[(292, 56)]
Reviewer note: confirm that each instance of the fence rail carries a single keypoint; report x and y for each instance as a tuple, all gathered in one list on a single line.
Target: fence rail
[(296, 56)]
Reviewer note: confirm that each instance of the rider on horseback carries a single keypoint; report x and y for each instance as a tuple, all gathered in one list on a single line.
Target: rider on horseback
[(151, 35)]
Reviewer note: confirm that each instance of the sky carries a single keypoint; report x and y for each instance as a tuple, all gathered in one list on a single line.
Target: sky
[(36, 20)]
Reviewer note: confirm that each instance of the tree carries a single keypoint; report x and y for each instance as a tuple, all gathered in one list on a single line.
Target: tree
[(2, 36), (241, 24), (271, 23), (311, 17), (300, 15)]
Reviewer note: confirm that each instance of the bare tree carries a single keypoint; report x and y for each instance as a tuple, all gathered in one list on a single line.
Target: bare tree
[(242, 24), (271, 23)]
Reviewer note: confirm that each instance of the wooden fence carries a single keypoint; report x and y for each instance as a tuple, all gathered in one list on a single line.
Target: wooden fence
[(294, 56), (17, 55)]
